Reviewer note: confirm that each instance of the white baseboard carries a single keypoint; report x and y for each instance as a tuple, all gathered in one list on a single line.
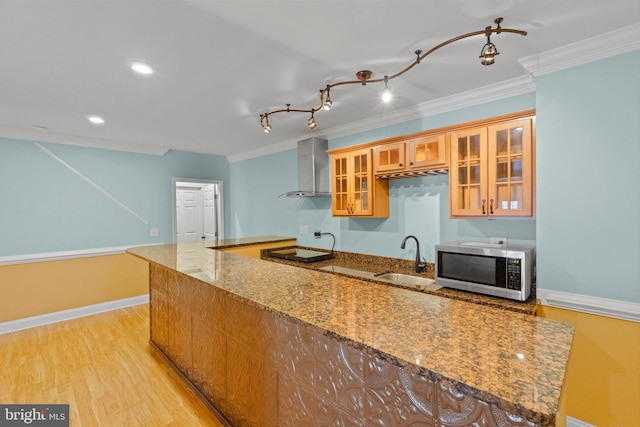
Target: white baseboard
[(588, 304), (573, 422), (59, 316)]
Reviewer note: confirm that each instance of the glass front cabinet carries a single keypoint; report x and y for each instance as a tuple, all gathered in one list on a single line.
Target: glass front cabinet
[(427, 151), (491, 170), (355, 191)]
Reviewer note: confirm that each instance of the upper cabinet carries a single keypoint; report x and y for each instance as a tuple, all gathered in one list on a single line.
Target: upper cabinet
[(490, 162), (409, 155), (491, 170), (428, 151), (355, 191), (389, 157)]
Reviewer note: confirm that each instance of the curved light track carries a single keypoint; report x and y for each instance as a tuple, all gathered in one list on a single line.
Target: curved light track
[(487, 54)]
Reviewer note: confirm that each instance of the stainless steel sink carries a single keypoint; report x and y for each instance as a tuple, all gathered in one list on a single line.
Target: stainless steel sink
[(421, 283), (398, 279)]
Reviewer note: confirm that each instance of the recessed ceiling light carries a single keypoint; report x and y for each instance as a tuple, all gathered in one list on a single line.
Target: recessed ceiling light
[(96, 120), (141, 67)]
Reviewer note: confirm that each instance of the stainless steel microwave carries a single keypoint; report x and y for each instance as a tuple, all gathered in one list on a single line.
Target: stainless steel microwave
[(490, 269)]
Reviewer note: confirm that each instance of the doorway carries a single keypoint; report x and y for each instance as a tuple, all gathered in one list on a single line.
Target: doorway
[(197, 210)]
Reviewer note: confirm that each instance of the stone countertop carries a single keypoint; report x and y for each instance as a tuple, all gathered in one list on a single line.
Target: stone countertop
[(514, 360), (378, 265)]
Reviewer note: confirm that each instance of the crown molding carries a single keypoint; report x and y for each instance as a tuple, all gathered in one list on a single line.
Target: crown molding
[(613, 43), (263, 151), (25, 134), (494, 92)]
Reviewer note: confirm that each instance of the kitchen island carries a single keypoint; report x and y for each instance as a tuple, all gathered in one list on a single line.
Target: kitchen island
[(275, 345)]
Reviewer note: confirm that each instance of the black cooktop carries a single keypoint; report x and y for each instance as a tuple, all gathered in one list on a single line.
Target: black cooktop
[(300, 255)]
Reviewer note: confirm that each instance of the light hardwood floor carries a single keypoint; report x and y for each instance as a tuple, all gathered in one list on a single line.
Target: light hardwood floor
[(104, 368)]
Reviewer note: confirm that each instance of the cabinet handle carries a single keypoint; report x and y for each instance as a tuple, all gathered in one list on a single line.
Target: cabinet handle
[(483, 203), (491, 207)]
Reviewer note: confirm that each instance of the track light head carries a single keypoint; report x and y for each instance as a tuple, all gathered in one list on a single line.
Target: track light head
[(264, 120), (489, 50), (386, 92), (488, 53), (311, 122), (327, 102)]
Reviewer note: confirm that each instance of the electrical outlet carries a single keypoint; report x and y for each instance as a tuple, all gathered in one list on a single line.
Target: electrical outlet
[(304, 229), (498, 240), (317, 234), (154, 232)]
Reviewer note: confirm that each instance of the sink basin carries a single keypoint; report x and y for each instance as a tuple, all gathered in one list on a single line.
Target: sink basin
[(406, 280), (421, 283)]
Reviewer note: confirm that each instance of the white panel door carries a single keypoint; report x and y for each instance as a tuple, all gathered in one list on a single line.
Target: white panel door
[(189, 214), (209, 202)]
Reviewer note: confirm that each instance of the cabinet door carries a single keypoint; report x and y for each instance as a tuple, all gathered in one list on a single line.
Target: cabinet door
[(468, 173), (510, 169), (427, 151), (389, 157), (340, 190), (361, 186)]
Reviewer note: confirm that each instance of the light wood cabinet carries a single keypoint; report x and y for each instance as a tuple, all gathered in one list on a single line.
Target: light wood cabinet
[(411, 155), (389, 157), (428, 151), (491, 170), (355, 192)]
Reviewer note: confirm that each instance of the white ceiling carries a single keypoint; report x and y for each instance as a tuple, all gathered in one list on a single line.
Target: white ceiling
[(220, 64)]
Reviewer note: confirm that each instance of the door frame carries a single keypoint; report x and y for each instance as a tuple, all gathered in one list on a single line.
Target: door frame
[(193, 182)]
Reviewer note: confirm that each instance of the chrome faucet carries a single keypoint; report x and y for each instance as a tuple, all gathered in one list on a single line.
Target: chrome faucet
[(420, 266)]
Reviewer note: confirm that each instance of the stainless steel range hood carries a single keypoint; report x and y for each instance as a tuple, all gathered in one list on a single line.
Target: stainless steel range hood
[(313, 169)]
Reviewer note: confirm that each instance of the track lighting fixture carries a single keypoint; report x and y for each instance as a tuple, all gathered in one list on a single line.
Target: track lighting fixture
[(264, 121), (327, 102), (386, 93), (489, 50), (311, 122), (487, 54)]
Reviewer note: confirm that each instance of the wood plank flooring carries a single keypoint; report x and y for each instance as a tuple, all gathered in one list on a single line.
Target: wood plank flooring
[(104, 368)]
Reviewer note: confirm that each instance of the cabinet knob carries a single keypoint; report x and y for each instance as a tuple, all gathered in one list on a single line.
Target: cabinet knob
[(410, 164), (400, 164)]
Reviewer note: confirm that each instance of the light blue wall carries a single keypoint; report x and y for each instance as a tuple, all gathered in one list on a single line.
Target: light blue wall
[(256, 184), (587, 228), (45, 207), (418, 206), (588, 190)]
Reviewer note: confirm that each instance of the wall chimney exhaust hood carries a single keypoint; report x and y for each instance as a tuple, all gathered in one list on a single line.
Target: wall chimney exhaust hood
[(313, 169)]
